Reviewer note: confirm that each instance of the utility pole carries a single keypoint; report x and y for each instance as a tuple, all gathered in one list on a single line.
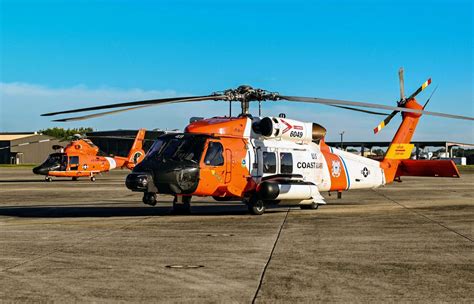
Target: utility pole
[(342, 138)]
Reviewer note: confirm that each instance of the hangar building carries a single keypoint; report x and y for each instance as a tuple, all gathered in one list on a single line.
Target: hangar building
[(119, 142), (25, 147)]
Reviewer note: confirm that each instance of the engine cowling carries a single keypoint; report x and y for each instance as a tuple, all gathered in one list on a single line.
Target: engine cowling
[(289, 129)]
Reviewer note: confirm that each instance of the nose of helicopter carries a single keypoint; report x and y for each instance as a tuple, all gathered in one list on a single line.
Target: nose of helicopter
[(179, 180), (42, 170)]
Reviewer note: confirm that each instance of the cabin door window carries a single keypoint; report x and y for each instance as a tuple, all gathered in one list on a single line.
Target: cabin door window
[(269, 162), (73, 162), (286, 163)]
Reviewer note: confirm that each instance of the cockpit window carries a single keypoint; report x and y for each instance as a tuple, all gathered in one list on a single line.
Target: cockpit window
[(55, 158), (56, 161), (177, 147), (156, 146), (214, 155)]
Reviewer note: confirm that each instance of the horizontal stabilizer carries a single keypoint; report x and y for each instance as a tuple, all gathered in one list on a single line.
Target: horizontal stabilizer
[(433, 168)]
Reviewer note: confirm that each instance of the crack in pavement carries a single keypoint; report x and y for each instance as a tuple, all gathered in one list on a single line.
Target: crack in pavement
[(262, 275), (424, 216)]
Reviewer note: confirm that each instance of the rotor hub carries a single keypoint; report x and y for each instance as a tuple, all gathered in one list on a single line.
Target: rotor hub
[(245, 94)]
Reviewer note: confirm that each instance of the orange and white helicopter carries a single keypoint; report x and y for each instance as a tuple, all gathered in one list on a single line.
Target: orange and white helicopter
[(82, 158), (264, 160)]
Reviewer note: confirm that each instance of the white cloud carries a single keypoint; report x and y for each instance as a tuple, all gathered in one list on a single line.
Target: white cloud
[(22, 103)]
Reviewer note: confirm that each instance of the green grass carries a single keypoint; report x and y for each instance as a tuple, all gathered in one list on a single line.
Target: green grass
[(469, 168), (18, 166)]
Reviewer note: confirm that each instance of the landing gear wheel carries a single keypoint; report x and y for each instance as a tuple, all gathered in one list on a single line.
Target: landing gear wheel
[(75, 178), (182, 205), (92, 178), (48, 179), (312, 206), (256, 206), (149, 198)]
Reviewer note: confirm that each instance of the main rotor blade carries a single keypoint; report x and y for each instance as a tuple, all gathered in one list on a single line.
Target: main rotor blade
[(429, 98), (360, 110), (402, 83), (138, 103), (369, 105), (99, 114)]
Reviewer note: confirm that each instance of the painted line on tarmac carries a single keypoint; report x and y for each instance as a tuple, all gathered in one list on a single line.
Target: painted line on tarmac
[(426, 217), (270, 257)]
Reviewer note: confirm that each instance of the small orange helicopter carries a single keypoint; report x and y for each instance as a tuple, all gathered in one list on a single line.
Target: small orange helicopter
[(266, 160), (82, 158)]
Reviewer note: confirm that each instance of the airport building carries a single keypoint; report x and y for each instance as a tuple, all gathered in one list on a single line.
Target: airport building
[(366, 148), (25, 147)]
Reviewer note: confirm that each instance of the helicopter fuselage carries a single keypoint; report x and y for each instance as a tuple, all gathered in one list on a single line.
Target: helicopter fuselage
[(82, 158), (236, 158)]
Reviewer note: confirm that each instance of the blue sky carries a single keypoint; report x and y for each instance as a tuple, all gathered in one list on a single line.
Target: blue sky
[(64, 54)]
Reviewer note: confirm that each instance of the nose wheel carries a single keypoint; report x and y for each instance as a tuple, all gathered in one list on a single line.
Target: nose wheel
[(149, 198), (48, 179)]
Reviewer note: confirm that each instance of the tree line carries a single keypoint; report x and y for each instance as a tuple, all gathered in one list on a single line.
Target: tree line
[(64, 134)]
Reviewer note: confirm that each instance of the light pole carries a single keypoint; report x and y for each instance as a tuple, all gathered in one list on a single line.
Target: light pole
[(342, 138)]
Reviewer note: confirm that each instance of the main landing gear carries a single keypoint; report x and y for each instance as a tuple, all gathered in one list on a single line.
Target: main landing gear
[(182, 204), (256, 205)]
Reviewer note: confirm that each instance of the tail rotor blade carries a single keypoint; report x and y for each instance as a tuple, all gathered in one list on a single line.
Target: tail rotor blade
[(402, 83), (385, 122), (403, 100), (423, 86)]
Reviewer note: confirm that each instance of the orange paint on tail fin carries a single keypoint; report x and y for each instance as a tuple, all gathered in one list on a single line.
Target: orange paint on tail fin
[(400, 148), (136, 153)]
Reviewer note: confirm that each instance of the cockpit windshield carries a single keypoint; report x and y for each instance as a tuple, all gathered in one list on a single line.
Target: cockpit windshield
[(55, 158), (178, 147)]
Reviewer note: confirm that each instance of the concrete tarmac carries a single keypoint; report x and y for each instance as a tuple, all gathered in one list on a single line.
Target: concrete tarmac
[(80, 241)]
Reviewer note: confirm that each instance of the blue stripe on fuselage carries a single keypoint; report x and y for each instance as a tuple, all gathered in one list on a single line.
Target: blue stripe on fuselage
[(347, 173)]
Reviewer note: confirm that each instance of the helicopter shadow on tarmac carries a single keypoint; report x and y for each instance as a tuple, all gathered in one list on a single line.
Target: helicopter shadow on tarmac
[(61, 211), (33, 181)]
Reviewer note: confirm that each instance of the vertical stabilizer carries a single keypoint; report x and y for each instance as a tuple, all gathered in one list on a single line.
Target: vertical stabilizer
[(401, 148)]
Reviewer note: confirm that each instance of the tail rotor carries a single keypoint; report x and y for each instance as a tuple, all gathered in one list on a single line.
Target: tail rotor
[(403, 100)]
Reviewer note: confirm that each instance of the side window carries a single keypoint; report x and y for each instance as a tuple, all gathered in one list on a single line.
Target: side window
[(73, 162), (286, 163), (269, 162), (214, 156)]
